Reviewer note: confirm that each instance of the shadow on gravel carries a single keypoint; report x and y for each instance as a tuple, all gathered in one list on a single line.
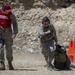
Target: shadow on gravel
[(64, 70), (25, 70)]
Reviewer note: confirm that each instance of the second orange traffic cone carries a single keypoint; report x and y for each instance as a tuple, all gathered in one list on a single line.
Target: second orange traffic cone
[(71, 51)]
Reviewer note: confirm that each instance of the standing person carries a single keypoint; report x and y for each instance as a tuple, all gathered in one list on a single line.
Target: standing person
[(7, 34), (47, 35)]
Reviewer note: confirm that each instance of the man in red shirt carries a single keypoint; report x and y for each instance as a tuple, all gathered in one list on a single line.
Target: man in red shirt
[(7, 34)]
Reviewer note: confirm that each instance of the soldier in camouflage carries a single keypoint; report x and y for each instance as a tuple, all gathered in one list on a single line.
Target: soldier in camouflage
[(48, 38), (7, 34)]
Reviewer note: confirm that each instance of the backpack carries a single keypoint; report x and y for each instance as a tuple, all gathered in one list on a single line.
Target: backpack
[(60, 54), (61, 60)]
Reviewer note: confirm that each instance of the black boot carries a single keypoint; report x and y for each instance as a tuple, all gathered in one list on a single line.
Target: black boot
[(10, 65), (2, 66)]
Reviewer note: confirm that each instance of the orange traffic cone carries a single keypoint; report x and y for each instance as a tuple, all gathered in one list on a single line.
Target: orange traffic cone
[(71, 51)]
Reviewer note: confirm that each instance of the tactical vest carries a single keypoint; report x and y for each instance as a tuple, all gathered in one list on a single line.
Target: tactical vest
[(5, 20), (48, 36)]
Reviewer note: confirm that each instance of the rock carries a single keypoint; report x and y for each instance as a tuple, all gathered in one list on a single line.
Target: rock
[(65, 44), (30, 50)]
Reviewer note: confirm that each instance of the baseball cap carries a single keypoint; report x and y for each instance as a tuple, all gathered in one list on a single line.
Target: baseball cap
[(6, 7)]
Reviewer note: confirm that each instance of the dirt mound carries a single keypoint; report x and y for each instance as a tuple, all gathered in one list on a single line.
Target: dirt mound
[(28, 21)]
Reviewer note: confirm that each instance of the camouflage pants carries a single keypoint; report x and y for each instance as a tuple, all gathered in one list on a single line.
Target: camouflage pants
[(48, 50), (8, 42)]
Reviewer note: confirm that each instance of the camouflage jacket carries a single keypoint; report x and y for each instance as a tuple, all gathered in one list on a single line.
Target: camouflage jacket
[(47, 37)]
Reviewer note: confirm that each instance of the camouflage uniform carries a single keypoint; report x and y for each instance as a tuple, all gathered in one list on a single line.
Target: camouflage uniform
[(5, 36), (47, 42)]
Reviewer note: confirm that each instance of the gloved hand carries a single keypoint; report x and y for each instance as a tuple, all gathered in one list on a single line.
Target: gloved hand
[(13, 36)]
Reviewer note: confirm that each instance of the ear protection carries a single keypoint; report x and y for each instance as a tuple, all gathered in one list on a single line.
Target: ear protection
[(3, 7)]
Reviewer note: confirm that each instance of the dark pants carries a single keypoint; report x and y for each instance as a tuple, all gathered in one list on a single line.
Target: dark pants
[(8, 42), (48, 50)]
